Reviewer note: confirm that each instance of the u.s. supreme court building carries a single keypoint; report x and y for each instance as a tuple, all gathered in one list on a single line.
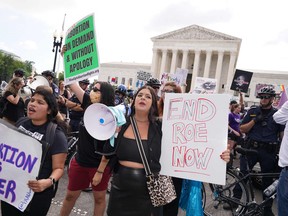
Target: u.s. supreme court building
[(203, 52)]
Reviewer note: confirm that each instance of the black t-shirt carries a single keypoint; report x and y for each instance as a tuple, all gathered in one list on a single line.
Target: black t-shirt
[(58, 146), (87, 145), (14, 111)]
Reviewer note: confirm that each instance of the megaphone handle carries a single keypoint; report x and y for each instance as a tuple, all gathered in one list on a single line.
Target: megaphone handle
[(105, 123)]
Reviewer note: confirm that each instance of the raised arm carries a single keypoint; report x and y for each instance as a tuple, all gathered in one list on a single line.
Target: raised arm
[(78, 91)]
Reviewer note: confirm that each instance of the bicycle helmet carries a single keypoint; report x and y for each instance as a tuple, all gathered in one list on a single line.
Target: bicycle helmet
[(48, 73), (121, 89), (267, 90), (153, 82), (19, 72)]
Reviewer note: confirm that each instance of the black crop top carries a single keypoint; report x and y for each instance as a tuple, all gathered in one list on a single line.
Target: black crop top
[(128, 150)]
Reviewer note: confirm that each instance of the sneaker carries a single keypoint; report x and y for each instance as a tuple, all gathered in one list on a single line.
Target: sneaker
[(229, 206)]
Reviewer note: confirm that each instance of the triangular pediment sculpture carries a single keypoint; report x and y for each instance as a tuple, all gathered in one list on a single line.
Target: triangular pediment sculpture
[(194, 32)]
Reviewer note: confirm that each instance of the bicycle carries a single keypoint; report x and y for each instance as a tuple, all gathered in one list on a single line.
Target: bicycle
[(218, 195), (72, 141)]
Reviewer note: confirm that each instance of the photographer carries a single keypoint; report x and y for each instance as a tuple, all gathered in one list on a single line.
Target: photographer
[(263, 135)]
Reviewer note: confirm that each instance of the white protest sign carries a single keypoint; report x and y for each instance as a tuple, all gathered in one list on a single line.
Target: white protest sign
[(179, 77), (194, 136), (20, 158), (205, 86)]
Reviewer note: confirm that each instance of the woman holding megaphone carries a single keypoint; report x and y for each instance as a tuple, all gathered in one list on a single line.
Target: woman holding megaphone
[(89, 167), (129, 194)]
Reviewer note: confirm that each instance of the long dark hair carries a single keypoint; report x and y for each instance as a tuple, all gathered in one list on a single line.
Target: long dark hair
[(107, 93), (52, 106), (153, 112)]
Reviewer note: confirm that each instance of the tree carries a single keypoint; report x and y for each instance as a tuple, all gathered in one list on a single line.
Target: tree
[(8, 64)]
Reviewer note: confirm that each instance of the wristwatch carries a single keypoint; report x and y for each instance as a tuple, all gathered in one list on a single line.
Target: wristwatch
[(52, 180)]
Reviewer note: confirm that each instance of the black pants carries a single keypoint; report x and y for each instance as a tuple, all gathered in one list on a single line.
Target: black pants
[(39, 205), (171, 209)]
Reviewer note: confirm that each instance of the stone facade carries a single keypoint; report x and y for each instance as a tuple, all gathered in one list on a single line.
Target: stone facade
[(204, 52)]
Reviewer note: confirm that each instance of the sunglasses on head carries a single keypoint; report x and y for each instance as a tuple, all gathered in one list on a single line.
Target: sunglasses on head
[(265, 97), (95, 89)]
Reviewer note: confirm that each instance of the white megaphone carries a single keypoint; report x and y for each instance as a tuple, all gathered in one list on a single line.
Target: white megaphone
[(37, 81), (3, 85), (100, 121)]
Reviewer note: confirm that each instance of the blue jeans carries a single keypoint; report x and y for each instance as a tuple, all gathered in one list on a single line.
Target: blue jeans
[(282, 193)]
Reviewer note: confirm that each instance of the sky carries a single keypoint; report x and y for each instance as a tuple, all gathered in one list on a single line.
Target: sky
[(124, 28)]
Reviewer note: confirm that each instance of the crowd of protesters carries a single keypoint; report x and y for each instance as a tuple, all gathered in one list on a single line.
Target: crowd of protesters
[(254, 129)]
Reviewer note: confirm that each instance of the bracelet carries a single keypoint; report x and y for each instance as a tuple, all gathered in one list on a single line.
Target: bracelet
[(101, 172)]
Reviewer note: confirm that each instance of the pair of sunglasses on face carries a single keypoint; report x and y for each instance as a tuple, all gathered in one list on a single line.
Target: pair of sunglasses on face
[(167, 91), (265, 97), (95, 89)]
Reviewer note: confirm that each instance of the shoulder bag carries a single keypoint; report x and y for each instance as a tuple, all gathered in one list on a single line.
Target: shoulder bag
[(160, 187)]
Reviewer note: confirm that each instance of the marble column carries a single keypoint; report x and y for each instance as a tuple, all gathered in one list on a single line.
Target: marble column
[(195, 68), (155, 61), (219, 70), (163, 62), (230, 70), (207, 63), (184, 59), (173, 61)]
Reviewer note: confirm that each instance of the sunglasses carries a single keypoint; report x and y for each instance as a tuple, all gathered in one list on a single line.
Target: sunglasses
[(95, 89), (265, 97), (167, 91)]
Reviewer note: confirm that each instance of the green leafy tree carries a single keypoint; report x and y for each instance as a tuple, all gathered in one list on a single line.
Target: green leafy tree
[(8, 64)]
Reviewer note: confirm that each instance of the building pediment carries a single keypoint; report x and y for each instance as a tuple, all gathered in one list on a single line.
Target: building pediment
[(194, 32)]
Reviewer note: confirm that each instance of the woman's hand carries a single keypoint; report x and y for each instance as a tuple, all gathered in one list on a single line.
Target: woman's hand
[(39, 185), (63, 50), (97, 178), (225, 155), (61, 99)]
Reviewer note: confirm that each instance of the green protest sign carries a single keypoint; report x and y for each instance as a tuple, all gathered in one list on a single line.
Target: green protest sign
[(81, 57)]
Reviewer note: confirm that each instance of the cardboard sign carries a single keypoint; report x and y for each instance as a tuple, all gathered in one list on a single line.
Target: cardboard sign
[(81, 59), (204, 86), (20, 158), (194, 136), (241, 80), (179, 77)]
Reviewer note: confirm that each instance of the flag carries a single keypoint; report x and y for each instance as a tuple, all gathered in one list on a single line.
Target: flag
[(283, 97)]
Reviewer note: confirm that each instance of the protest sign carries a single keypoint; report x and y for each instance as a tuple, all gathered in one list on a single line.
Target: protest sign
[(81, 57), (20, 158), (194, 136), (179, 77), (204, 86), (241, 80)]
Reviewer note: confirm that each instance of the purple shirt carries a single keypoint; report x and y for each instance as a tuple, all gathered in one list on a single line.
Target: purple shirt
[(234, 121)]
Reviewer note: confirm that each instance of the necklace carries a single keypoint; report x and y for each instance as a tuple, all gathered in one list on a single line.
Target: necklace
[(141, 120)]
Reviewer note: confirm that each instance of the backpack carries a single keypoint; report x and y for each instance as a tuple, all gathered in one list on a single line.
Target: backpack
[(50, 136)]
